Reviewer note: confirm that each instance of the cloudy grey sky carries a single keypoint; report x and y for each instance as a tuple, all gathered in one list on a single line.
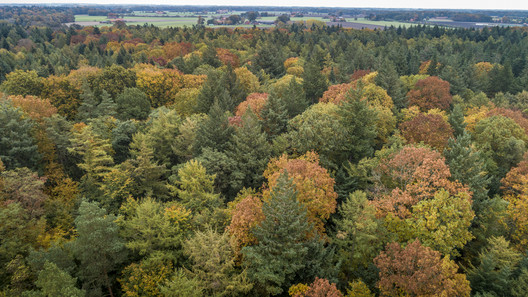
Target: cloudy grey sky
[(454, 4)]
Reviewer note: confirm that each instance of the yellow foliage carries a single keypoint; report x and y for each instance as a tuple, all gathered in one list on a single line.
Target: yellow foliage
[(298, 289)]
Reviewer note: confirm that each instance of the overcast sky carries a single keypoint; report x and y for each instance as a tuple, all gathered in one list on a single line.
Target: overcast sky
[(454, 4)]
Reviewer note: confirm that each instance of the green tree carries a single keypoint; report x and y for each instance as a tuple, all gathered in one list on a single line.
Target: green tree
[(359, 125), (213, 264), (132, 104), (154, 229), (18, 147), (195, 188), (96, 158), (294, 98), (98, 247), (54, 282), (359, 234), (495, 267), (314, 82), (250, 150), (180, 285), (456, 120), (214, 132), (274, 116), (467, 166), (20, 82), (282, 248), (503, 142)]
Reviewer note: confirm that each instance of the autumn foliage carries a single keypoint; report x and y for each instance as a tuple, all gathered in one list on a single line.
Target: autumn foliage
[(430, 129), (314, 185), (409, 176), (417, 270), (431, 92)]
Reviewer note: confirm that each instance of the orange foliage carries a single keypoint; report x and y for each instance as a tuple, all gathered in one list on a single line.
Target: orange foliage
[(417, 270), (254, 101), (314, 185), (411, 175), (359, 74), (227, 57), (246, 216), (431, 92), (335, 93), (319, 288), (35, 107), (160, 85), (175, 49), (430, 129)]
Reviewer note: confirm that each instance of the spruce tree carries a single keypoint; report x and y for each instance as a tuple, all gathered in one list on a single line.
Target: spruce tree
[(274, 116), (98, 247), (250, 150), (359, 122), (456, 120), (282, 241), (294, 99), (215, 132)]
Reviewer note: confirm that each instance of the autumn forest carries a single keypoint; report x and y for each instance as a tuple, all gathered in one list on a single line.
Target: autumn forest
[(300, 160)]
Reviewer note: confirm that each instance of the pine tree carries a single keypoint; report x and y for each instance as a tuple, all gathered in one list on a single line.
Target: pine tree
[(282, 241), (88, 104), (18, 148), (389, 80), (53, 281), (274, 116), (251, 151), (107, 107), (215, 132), (98, 247), (467, 166), (294, 99), (456, 120), (314, 82), (359, 122)]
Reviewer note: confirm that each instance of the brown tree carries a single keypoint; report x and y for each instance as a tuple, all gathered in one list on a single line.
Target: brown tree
[(417, 270), (431, 92), (430, 129)]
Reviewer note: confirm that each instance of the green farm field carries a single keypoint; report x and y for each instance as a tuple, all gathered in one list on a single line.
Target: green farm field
[(380, 23)]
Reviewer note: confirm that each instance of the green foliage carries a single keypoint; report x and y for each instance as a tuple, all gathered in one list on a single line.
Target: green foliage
[(54, 282), (359, 234), (180, 285), (154, 229), (98, 248), (132, 104), (359, 126), (213, 265), (214, 132), (21, 82), (18, 147), (502, 141), (314, 82), (496, 264), (250, 151), (274, 116), (283, 245), (456, 120)]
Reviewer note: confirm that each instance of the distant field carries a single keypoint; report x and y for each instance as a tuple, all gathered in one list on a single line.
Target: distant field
[(88, 18), (379, 23), (167, 21)]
